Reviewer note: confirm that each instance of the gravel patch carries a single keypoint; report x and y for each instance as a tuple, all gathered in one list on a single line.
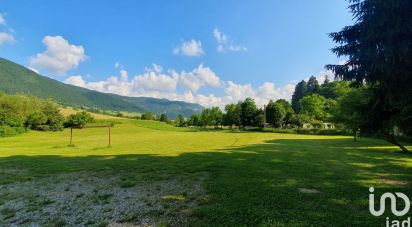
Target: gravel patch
[(100, 199)]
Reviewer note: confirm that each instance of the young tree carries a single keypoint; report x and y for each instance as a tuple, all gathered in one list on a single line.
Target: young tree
[(248, 112), (163, 117), (313, 106), (55, 119), (147, 116), (312, 87), (217, 116), (275, 113), (379, 49), (194, 120), (232, 115), (79, 119), (352, 110), (180, 121), (300, 92)]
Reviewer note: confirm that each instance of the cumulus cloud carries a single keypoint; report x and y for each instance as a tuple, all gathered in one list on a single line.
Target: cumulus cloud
[(200, 76), (59, 57), (76, 81), (322, 75), (5, 37), (225, 43), (183, 86), (2, 20), (189, 48)]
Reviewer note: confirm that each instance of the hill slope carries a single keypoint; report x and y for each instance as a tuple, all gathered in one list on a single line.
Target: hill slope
[(15, 79)]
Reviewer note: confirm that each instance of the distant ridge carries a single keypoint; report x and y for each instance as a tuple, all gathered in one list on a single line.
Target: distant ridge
[(16, 79)]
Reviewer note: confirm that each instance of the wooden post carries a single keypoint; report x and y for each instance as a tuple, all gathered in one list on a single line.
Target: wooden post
[(71, 135), (109, 136)]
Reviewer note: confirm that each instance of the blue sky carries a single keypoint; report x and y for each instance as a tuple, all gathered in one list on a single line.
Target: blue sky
[(209, 52)]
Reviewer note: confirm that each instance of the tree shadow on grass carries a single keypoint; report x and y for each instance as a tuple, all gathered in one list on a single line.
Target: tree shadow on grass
[(259, 184)]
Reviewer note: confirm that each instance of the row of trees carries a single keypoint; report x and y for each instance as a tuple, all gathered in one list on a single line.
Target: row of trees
[(20, 112)]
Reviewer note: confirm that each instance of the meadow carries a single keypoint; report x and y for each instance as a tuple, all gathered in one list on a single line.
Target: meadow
[(157, 174)]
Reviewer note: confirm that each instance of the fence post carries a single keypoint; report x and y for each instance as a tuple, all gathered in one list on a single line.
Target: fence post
[(109, 137), (71, 135)]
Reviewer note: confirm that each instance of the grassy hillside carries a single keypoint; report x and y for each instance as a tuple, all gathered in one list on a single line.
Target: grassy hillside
[(15, 79), (154, 175)]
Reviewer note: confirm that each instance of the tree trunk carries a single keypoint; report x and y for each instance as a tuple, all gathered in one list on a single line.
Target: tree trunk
[(392, 139)]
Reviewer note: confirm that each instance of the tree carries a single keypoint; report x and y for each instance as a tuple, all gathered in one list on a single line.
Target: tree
[(312, 87), (147, 116), (352, 109), (194, 120), (79, 119), (248, 112), (163, 117), (313, 106), (55, 119), (275, 113), (217, 116), (180, 121), (232, 115), (35, 120), (379, 49), (300, 92)]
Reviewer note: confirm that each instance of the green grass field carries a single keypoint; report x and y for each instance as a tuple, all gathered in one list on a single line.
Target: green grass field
[(180, 176)]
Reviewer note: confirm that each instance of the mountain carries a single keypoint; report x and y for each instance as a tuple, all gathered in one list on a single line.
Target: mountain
[(16, 79)]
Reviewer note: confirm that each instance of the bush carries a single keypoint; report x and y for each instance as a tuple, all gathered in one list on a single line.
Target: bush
[(79, 119)]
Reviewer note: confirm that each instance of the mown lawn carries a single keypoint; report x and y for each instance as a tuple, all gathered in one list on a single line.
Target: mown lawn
[(249, 179)]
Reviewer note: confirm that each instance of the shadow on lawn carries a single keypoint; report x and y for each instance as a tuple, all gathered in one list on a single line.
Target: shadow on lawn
[(259, 184)]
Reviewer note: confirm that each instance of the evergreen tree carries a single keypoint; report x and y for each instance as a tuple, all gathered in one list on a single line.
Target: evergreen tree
[(379, 49), (312, 87), (300, 92)]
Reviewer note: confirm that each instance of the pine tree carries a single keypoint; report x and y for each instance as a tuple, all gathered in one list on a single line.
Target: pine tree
[(379, 48), (300, 92)]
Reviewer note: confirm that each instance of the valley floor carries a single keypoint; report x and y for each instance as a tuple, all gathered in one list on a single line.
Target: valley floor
[(156, 174)]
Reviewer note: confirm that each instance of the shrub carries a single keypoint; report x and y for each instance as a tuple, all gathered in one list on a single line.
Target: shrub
[(79, 119)]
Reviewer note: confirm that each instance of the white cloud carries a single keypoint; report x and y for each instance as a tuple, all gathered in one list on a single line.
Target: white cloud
[(2, 20), (33, 69), (321, 77), (198, 77), (59, 57), (76, 81), (261, 95), (5, 37), (225, 43), (116, 65), (156, 83), (190, 48)]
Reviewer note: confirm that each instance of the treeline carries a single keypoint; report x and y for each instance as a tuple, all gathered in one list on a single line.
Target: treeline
[(18, 113), (313, 105)]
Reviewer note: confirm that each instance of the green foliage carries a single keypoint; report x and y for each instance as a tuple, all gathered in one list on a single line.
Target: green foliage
[(232, 115), (163, 118), (298, 94), (180, 121), (312, 87), (352, 109), (18, 112), (313, 106), (147, 116), (379, 49), (194, 120), (16, 79), (275, 113), (211, 117), (249, 113), (79, 119)]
